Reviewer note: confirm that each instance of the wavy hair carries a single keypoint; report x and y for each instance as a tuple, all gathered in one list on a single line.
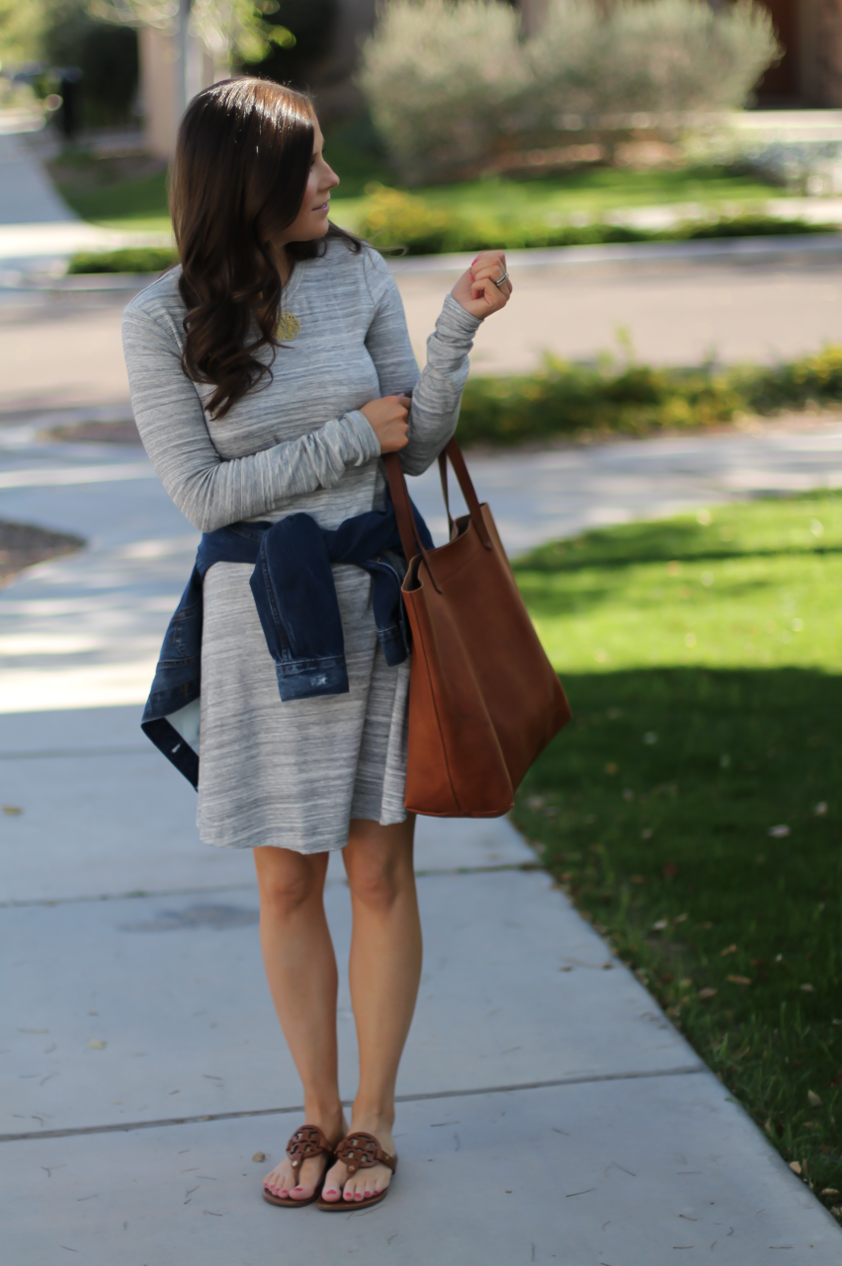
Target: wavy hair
[(238, 179)]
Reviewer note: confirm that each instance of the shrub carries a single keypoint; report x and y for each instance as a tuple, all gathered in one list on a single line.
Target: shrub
[(392, 218), (569, 400), (439, 78), (448, 80), (663, 57), (133, 259)]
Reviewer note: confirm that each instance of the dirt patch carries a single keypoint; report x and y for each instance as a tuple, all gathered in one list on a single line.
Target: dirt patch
[(22, 545), (124, 432)]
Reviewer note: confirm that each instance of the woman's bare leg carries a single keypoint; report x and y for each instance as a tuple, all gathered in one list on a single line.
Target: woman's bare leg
[(385, 971), (301, 971)]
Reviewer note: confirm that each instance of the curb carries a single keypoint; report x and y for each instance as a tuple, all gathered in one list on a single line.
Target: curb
[(786, 248), (793, 248)]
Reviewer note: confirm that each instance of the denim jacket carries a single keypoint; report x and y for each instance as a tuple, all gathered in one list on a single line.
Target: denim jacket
[(296, 602)]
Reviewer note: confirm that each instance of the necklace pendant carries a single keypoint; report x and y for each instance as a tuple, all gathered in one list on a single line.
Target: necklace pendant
[(289, 327)]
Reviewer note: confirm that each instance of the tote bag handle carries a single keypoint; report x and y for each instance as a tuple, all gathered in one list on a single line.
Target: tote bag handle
[(403, 510)]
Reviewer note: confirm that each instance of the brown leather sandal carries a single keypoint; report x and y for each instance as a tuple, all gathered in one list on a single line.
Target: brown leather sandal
[(360, 1151), (306, 1141)]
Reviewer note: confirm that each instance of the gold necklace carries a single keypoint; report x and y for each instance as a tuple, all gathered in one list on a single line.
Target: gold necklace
[(289, 327)]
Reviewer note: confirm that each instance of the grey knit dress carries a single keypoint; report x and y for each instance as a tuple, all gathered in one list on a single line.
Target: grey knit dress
[(293, 774)]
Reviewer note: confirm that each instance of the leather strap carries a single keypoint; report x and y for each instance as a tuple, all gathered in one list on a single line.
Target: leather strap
[(309, 1140), (403, 510), (362, 1151), (453, 452), (410, 543)]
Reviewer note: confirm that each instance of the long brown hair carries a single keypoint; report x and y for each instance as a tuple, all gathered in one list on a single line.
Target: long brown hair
[(239, 176)]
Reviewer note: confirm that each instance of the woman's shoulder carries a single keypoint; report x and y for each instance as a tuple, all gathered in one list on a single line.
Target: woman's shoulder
[(161, 300), (363, 266)]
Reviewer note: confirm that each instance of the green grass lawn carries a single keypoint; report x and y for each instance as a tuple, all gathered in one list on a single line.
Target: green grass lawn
[(692, 808), (104, 190), (128, 194)]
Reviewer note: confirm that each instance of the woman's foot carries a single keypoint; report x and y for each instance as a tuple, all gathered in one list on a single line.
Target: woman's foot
[(365, 1182), (301, 1181)]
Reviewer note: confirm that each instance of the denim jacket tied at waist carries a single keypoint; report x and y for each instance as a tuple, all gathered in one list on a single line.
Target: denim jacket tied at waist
[(295, 597)]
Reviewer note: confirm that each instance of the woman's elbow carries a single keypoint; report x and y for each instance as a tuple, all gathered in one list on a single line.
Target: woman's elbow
[(198, 511)]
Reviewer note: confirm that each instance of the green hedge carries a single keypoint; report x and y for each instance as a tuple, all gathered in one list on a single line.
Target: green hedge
[(569, 400), (133, 259)]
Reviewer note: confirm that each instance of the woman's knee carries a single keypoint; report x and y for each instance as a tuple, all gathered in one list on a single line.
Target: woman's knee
[(378, 877), (287, 880)]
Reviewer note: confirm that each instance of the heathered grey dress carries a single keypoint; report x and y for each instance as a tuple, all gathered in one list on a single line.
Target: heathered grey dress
[(293, 774)]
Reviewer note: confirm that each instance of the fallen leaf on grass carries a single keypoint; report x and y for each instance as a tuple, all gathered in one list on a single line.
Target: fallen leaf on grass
[(611, 768), (669, 870), (813, 1099), (778, 832), (807, 988), (795, 1166), (660, 925), (739, 980), (707, 992), (830, 1191), (820, 809), (729, 949)]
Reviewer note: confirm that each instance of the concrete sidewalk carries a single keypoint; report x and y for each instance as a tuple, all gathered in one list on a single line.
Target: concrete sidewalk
[(145, 1068), (38, 231)]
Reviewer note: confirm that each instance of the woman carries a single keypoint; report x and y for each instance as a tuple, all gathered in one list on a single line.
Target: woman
[(268, 375)]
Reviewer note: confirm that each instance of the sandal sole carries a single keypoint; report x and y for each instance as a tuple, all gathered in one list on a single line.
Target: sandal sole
[(348, 1206)]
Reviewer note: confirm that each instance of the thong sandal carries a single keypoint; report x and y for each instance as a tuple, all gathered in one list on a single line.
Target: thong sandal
[(360, 1151), (305, 1142)]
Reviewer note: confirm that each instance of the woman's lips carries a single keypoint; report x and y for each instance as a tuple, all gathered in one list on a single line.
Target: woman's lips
[(323, 206)]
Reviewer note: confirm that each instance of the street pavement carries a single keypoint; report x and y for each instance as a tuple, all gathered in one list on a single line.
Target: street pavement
[(143, 1069), (62, 346)]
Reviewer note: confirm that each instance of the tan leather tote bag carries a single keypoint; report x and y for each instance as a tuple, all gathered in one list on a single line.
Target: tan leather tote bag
[(484, 700)]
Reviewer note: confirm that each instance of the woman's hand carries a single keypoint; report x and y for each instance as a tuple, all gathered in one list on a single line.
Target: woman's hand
[(476, 290), (389, 421)]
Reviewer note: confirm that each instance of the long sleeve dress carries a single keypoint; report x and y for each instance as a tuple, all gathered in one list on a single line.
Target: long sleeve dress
[(292, 774)]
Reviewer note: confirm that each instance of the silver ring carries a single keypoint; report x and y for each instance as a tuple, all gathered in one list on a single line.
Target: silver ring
[(505, 277)]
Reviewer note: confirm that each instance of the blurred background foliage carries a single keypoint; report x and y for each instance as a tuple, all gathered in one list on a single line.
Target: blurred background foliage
[(311, 23), (451, 85)]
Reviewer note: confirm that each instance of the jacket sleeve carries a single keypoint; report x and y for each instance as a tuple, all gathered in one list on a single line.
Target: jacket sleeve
[(208, 490), (437, 393)]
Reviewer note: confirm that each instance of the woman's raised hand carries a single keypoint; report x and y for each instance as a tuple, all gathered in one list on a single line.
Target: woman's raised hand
[(477, 291), (389, 420)]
